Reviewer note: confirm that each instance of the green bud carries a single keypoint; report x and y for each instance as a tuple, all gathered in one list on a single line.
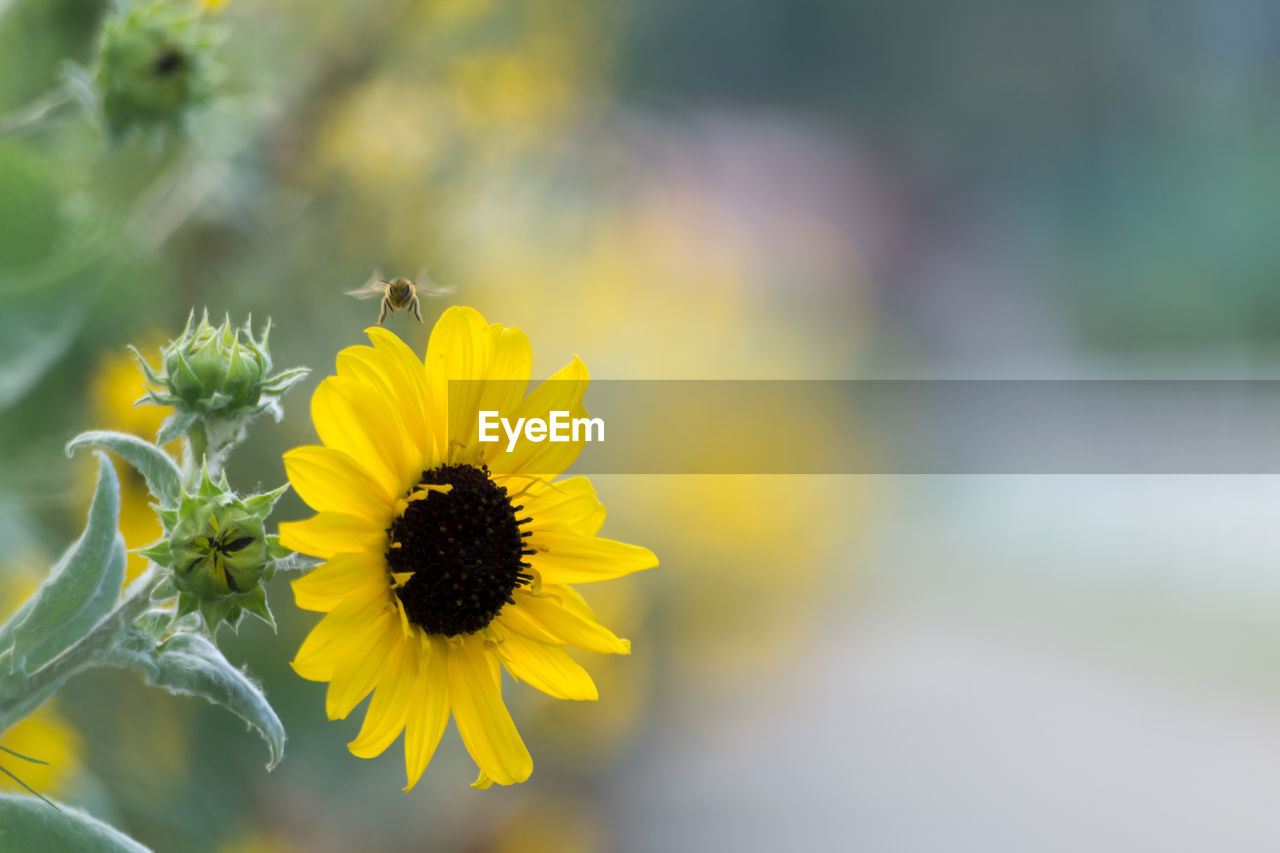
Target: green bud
[(154, 66), (219, 372), (206, 367), (217, 548)]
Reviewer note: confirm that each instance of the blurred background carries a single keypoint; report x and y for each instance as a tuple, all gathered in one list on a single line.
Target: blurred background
[(759, 189)]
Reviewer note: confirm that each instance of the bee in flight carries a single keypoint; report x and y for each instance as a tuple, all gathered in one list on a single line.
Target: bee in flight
[(398, 293)]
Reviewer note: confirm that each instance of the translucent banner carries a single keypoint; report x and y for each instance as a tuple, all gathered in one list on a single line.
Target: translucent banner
[(879, 426)]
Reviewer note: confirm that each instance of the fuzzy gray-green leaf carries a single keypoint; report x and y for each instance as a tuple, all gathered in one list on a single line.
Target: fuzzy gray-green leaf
[(175, 425), (99, 605), (261, 505), (163, 477), (73, 593), (293, 562), (26, 823), (190, 664)]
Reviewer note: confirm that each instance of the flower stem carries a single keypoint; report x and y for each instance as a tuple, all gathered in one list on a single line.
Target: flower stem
[(198, 452), (90, 650), (32, 113)]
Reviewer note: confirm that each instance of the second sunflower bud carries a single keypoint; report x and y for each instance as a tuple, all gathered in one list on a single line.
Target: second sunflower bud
[(219, 554)]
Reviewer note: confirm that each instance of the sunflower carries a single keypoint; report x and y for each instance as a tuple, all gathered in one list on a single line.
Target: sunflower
[(448, 560)]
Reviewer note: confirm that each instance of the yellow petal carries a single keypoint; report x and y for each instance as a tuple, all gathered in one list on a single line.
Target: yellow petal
[(570, 503), (357, 674), (344, 575), (403, 386), (329, 479), (483, 722), (546, 667), (483, 782), (510, 365), (459, 348), (571, 600), (506, 380), (404, 371), (429, 708), (544, 617), (364, 424), (329, 533), (384, 720), (564, 557), (328, 643), (562, 392)]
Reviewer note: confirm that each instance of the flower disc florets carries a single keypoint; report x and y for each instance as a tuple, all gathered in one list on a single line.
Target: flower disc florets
[(461, 551)]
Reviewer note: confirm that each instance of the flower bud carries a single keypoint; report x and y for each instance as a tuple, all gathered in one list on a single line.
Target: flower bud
[(217, 548), (154, 66), (218, 372)]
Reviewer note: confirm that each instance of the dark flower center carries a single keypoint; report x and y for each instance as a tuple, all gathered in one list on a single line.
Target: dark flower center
[(465, 549), (171, 61)]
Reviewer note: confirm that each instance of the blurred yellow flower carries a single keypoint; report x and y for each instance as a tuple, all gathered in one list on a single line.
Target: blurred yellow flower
[(547, 823), (46, 736), (505, 80), (448, 560), (115, 385), (257, 841)]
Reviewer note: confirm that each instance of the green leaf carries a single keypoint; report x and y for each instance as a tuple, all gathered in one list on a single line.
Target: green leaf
[(163, 477), (157, 552), (261, 505), (256, 603), (81, 588), (293, 562), (175, 425), (281, 382), (154, 622), (192, 665), (145, 366), (164, 589), (100, 605), (29, 824)]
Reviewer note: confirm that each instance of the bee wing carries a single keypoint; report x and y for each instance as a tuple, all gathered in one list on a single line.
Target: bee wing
[(371, 289), (428, 286)]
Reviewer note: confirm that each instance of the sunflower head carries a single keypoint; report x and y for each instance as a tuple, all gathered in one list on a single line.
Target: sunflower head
[(218, 551), (154, 66), (448, 559)]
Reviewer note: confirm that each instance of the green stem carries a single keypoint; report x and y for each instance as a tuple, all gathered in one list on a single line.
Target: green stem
[(197, 453), (89, 651), (35, 111), (209, 441)]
